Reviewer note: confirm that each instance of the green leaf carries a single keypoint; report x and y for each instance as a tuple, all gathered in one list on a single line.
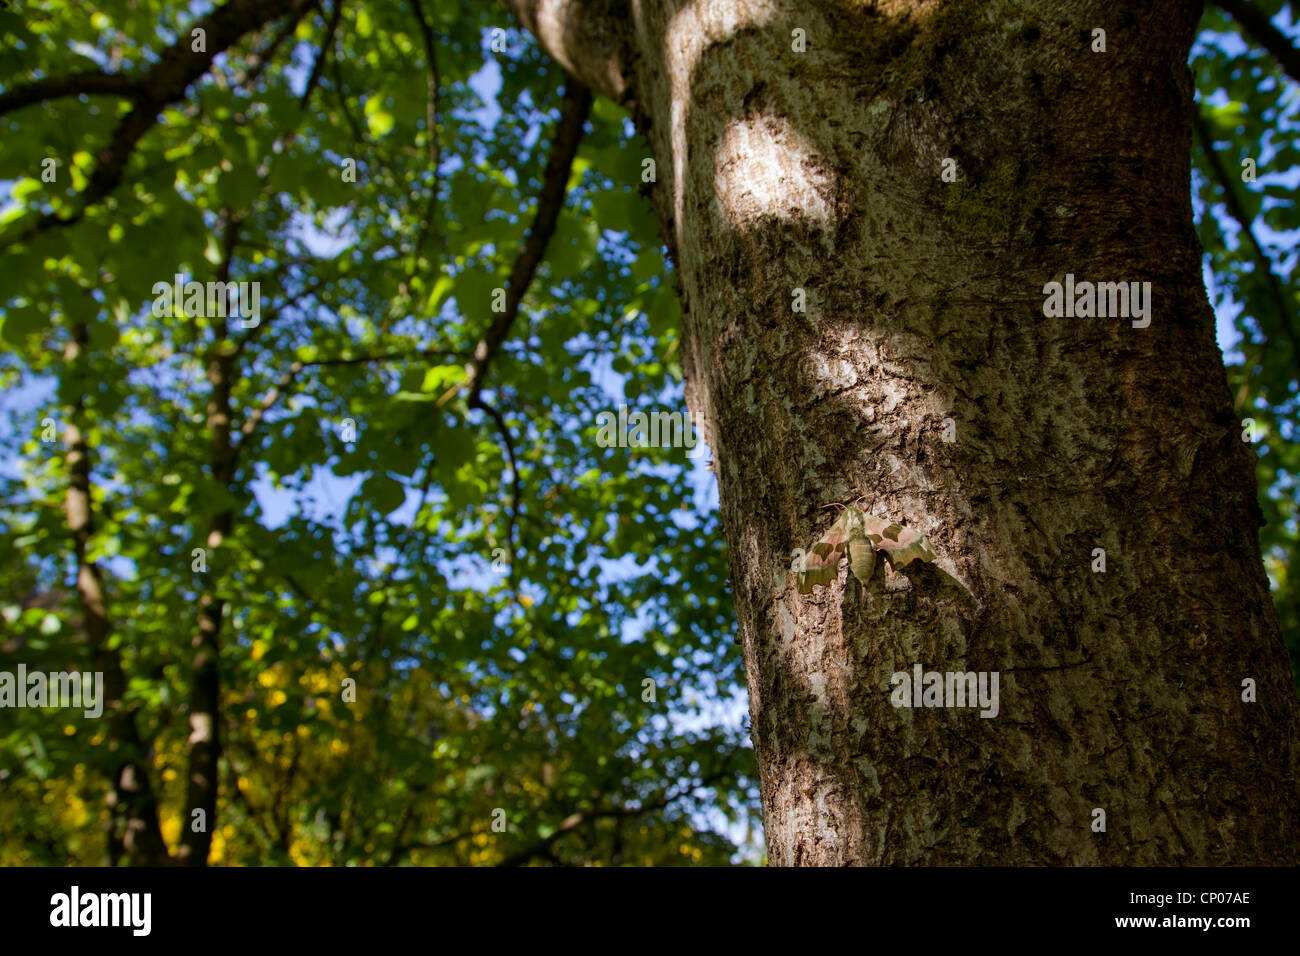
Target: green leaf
[(21, 322), (573, 246), (380, 122), (384, 493), (378, 117)]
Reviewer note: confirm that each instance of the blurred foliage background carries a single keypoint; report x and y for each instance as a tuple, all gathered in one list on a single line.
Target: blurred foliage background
[(538, 628), (1246, 66)]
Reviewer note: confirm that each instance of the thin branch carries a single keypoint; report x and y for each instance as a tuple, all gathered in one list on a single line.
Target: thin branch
[(357, 134), (1251, 362), (409, 845), (579, 818), (251, 423), (431, 59), (1263, 264), (326, 45), (283, 823), (574, 109), (272, 314), (19, 505), (401, 830), (576, 820), (1256, 24), (255, 418), (385, 357), (89, 83), (516, 485), (431, 121), (259, 61), (299, 590), (267, 837), (573, 115)]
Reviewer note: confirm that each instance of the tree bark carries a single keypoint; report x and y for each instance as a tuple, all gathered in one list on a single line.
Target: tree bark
[(203, 777), (204, 767), (820, 170), (133, 829)]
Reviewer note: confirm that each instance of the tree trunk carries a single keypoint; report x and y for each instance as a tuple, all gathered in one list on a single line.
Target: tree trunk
[(133, 828), (203, 775), (1119, 690)]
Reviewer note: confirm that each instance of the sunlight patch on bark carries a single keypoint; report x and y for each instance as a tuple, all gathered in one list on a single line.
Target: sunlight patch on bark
[(764, 167), (691, 29), (833, 375)]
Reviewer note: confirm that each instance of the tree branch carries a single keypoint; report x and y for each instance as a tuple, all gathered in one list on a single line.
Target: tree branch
[(326, 45), (301, 591), (431, 121), (408, 845), (431, 59), (568, 134), (574, 109), (255, 418), (162, 84), (384, 357), (579, 818), (251, 423), (1235, 209), (254, 815), (516, 485), (576, 820), (271, 314), (260, 60), (88, 83), (357, 135), (586, 37), (1256, 24)]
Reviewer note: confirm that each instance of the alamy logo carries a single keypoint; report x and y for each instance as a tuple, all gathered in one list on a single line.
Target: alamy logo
[(103, 909), (66, 689), (1104, 300), (641, 430), (209, 300), (953, 689)]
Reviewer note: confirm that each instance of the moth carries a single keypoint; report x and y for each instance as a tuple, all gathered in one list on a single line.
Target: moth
[(857, 536)]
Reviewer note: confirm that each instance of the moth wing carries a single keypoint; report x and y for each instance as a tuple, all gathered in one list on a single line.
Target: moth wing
[(901, 545), (822, 562)]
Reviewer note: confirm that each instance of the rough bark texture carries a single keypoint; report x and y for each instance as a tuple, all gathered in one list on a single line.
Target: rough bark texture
[(821, 170)]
